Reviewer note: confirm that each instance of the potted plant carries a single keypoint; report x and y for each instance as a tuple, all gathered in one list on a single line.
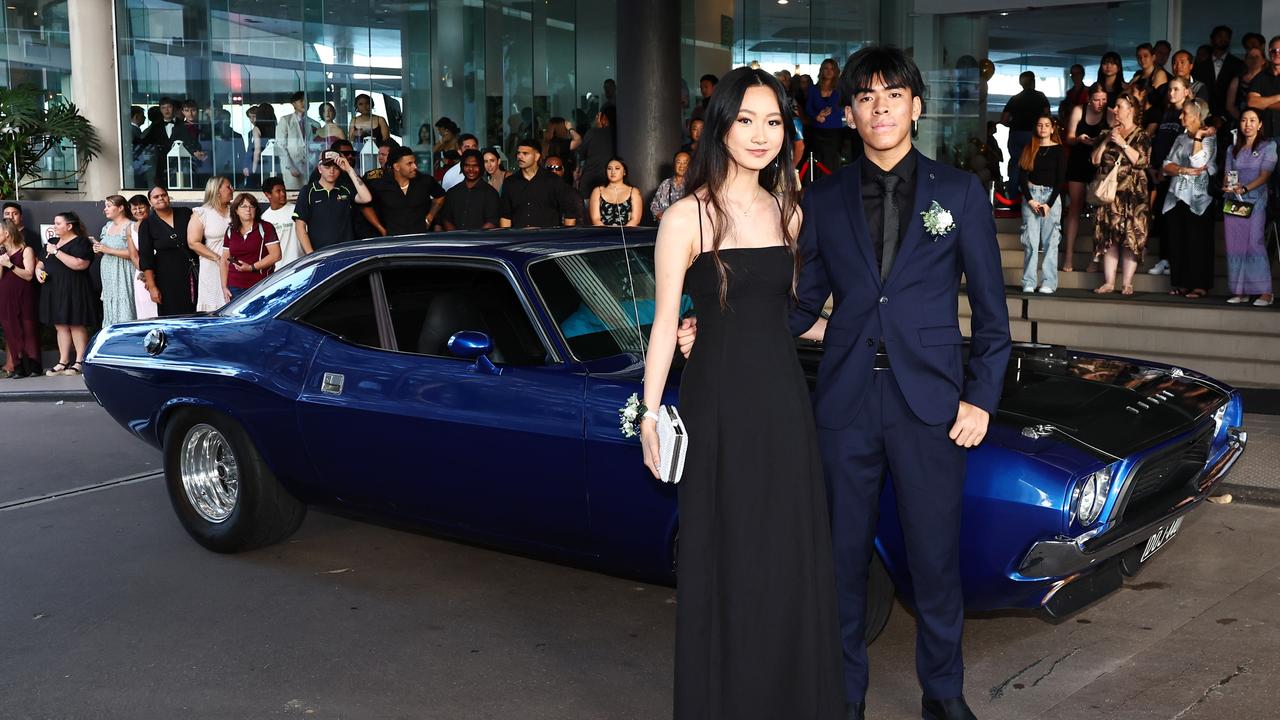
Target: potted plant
[(30, 128)]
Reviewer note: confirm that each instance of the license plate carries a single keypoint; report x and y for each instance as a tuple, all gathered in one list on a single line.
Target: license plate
[(1160, 538)]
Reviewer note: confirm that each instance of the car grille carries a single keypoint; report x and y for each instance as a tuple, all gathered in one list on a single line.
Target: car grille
[(1170, 469)]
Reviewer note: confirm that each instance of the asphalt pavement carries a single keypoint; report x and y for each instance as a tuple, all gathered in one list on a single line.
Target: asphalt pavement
[(108, 610)]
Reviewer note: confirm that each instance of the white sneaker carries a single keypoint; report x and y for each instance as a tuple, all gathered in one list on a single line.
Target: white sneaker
[(1028, 288), (1237, 299), (1160, 268), (1047, 290), (1263, 303)]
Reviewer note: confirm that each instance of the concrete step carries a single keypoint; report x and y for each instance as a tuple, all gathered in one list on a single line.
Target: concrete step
[(1139, 340), (1084, 241), (1184, 315), (1077, 280)]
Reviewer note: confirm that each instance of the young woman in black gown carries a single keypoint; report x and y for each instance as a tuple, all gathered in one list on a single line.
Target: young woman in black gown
[(757, 634)]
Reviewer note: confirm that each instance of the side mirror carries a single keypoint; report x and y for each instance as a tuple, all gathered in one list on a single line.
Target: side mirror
[(474, 345)]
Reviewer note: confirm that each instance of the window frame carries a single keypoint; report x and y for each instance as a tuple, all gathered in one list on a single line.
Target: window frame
[(546, 307), (372, 267)]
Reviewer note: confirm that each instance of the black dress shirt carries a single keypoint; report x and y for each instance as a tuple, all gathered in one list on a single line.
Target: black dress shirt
[(404, 212), (873, 199), (543, 201), (469, 208)]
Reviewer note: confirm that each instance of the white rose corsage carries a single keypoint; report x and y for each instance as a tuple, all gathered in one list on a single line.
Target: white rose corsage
[(630, 415), (938, 220)]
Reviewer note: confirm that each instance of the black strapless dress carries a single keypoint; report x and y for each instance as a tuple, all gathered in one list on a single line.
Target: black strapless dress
[(757, 629)]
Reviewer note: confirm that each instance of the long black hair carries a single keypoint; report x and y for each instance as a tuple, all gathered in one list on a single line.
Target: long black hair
[(710, 166)]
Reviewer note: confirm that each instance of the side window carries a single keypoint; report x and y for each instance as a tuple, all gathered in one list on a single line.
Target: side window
[(348, 312), (428, 304)]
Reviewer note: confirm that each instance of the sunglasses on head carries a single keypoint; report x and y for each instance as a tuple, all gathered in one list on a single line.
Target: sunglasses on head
[(554, 167), (347, 153)]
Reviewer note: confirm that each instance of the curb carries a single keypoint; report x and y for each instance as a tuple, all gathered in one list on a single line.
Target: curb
[(47, 396), (1253, 495)]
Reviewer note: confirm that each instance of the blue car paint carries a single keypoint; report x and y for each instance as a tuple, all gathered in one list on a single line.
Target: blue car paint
[(552, 474)]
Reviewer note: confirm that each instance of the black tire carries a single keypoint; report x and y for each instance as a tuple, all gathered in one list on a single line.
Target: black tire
[(879, 598), (263, 512)]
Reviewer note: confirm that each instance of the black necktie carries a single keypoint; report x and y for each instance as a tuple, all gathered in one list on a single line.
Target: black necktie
[(889, 182)]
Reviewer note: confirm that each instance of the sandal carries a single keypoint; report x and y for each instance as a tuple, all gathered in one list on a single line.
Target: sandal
[(1106, 289), (75, 369), (1178, 291), (1127, 290), (58, 369), (1195, 294)]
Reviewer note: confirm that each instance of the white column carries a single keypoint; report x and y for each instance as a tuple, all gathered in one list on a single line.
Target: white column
[(95, 89)]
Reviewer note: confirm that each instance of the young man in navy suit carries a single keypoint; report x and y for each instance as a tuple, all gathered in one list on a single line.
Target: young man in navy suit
[(889, 236)]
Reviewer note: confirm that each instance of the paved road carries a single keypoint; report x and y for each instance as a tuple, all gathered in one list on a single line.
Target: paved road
[(108, 610)]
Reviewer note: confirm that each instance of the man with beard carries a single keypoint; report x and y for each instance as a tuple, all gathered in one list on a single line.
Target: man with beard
[(405, 201)]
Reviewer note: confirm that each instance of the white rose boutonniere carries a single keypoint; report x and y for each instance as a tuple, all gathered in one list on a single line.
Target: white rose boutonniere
[(938, 220)]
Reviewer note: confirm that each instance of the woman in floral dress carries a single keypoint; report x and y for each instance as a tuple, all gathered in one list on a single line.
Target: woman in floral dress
[(1121, 227), (117, 268)]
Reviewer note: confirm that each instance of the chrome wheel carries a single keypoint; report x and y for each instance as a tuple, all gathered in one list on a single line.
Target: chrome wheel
[(210, 474)]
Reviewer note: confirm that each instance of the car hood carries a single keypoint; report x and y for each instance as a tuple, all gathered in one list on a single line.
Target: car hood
[(1110, 406)]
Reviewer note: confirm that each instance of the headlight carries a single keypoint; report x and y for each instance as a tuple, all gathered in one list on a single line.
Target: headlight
[(1090, 496)]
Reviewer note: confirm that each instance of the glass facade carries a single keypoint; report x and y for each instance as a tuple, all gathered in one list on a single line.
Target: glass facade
[(499, 69), (36, 51)]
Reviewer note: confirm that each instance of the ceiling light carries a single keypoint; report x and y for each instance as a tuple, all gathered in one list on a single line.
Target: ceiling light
[(782, 2)]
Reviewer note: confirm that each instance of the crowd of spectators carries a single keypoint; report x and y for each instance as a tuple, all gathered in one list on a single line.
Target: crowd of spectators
[(1156, 157)]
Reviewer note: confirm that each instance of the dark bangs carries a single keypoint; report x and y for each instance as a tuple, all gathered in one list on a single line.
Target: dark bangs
[(890, 64)]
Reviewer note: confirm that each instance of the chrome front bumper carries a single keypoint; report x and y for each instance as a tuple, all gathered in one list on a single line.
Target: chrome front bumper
[(1058, 558)]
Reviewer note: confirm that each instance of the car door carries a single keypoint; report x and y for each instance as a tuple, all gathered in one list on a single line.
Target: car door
[(400, 424)]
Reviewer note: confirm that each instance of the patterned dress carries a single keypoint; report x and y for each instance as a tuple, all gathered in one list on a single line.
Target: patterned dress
[(615, 214), (1248, 266), (209, 288), (117, 278), (1124, 222)]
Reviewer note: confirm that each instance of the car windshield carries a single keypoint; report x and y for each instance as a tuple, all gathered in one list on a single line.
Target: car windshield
[(596, 299), (286, 281)]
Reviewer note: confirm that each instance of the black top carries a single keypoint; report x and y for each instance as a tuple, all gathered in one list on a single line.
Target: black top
[(541, 202), (157, 236), (32, 239), (597, 150), (1217, 83), (470, 208), (1048, 170), (1025, 108), (1266, 84), (327, 214), (873, 198), (404, 212), (1167, 132)]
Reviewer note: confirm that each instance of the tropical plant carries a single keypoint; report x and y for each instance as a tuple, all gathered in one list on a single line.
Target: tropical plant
[(30, 128)]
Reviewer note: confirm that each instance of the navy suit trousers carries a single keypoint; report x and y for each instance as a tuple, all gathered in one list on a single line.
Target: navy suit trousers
[(927, 470)]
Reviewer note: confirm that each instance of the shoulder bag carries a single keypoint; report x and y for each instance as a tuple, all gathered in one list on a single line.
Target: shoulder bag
[(1102, 189)]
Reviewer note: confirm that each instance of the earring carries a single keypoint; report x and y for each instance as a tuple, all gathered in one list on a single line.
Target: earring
[(915, 127)]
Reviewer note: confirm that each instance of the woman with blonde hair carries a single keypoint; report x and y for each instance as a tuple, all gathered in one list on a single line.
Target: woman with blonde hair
[(18, 301), (204, 237), (1044, 172), (118, 264)]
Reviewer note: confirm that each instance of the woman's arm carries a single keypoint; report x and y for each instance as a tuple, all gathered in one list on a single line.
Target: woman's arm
[(1099, 148), (71, 262), (130, 239), (593, 207), (1073, 123), (672, 254), (195, 239), (224, 267), (637, 203), (28, 269), (271, 257)]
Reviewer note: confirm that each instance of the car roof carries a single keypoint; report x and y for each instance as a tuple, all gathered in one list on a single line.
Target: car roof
[(517, 246)]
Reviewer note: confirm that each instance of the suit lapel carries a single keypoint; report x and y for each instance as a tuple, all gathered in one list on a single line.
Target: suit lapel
[(852, 186), (926, 187)]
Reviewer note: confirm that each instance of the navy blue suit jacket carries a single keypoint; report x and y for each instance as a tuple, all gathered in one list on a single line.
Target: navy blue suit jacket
[(915, 310)]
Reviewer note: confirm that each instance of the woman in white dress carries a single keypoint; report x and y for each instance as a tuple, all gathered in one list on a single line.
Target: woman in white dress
[(205, 234)]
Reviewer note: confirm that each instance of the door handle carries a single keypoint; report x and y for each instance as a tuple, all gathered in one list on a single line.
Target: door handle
[(332, 384)]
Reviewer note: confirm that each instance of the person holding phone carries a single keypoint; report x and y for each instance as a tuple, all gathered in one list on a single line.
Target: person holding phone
[(67, 301)]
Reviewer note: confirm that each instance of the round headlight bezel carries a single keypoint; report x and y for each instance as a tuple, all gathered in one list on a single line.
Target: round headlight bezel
[(1091, 495)]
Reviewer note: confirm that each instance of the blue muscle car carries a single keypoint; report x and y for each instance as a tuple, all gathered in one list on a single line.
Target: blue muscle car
[(470, 383)]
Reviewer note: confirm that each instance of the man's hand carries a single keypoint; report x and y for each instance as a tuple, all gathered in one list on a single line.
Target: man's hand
[(686, 333), (971, 425)]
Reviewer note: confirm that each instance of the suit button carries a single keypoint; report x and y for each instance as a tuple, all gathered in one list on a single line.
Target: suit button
[(884, 300), (871, 343)]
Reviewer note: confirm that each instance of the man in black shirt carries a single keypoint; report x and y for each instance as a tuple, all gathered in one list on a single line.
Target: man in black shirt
[(1020, 115), (471, 204), (322, 213), (533, 198), (556, 166), (1264, 91), (405, 201), (1218, 71)]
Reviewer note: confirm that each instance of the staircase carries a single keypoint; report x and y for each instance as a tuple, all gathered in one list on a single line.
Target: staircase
[(1239, 344)]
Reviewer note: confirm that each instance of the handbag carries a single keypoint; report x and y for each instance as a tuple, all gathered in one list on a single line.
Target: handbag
[(1102, 189), (672, 444), (1237, 208)]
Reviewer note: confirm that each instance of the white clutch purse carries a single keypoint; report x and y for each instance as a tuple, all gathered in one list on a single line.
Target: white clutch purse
[(673, 444)]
